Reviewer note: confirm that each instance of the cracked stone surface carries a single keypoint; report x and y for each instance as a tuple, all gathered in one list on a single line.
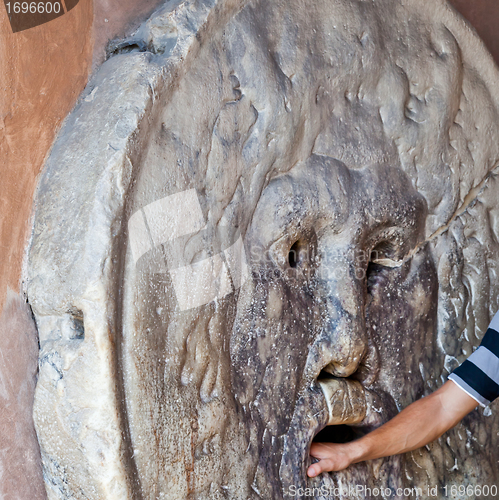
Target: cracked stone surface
[(260, 219)]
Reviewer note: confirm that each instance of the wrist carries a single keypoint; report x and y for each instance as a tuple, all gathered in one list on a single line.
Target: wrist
[(358, 450)]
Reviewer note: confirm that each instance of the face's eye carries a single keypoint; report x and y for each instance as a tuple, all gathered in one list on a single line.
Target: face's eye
[(297, 253), (383, 250), (381, 262), (302, 254)]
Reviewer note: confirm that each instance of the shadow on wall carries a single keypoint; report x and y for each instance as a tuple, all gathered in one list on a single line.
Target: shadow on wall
[(484, 16), (19, 451)]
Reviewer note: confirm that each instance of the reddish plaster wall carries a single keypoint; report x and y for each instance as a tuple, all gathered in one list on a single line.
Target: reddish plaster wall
[(484, 16), (42, 72)]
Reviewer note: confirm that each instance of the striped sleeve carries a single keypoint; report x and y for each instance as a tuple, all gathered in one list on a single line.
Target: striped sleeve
[(478, 376)]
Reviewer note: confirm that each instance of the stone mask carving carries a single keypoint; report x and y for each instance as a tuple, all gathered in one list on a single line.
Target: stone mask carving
[(261, 219)]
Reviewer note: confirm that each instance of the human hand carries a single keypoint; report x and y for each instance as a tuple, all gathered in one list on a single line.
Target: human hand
[(332, 457)]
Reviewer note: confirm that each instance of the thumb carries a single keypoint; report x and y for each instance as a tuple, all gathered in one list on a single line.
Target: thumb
[(321, 466)]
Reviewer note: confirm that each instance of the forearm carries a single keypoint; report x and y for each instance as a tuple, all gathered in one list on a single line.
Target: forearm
[(417, 425)]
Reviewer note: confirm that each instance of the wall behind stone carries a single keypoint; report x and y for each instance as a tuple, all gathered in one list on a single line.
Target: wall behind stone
[(42, 72), (484, 16)]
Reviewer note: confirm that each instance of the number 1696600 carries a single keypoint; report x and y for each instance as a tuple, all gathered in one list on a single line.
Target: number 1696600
[(33, 7)]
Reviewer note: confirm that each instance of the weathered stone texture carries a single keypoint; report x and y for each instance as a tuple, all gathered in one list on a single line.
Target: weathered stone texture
[(251, 202)]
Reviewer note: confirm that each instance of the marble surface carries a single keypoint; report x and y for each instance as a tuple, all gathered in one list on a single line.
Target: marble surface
[(261, 218)]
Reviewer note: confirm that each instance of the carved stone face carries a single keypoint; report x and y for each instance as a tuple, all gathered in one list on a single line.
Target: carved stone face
[(264, 229), (318, 283), (312, 310)]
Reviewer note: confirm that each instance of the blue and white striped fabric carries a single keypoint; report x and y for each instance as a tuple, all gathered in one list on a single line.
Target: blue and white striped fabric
[(478, 376)]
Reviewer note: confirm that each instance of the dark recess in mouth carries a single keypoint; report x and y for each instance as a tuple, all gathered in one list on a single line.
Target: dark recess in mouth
[(337, 434)]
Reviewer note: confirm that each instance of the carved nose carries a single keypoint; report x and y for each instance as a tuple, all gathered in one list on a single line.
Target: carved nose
[(343, 296), (347, 339)]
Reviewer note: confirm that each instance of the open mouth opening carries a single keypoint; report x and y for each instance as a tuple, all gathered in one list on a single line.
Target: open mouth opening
[(337, 434)]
